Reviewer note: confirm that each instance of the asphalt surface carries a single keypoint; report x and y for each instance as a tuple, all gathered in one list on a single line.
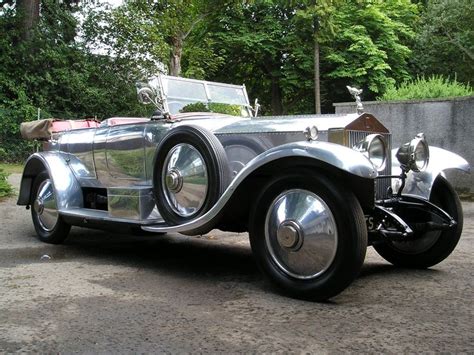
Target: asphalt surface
[(104, 292)]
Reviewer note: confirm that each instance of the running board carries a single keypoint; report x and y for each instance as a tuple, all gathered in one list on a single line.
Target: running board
[(87, 214)]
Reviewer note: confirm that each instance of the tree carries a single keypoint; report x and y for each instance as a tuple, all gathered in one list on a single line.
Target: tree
[(28, 14), (28, 10), (53, 72), (274, 45), (445, 40), (257, 43), (124, 33), (318, 16), (371, 47), (153, 32)]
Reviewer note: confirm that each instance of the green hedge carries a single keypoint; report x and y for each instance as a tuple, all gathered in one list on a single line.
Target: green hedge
[(434, 87)]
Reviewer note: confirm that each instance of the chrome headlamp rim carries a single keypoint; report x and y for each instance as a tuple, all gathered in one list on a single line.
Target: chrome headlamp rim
[(367, 147), (415, 144), (408, 154), (311, 133)]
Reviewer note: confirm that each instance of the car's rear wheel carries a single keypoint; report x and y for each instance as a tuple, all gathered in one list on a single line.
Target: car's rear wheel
[(191, 173), (431, 247), (49, 225), (308, 235)]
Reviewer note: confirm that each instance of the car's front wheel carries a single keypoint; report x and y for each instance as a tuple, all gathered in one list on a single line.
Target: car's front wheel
[(429, 248), (308, 235), (49, 225)]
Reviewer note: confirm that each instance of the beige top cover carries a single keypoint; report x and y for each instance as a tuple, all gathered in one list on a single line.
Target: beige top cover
[(40, 129)]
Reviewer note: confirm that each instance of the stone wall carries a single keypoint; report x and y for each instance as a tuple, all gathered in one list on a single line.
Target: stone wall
[(447, 123)]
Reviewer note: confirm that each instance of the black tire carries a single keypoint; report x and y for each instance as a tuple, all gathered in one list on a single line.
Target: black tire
[(54, 234), (348, 253), (215, 160), (434, 246), (137, 231)]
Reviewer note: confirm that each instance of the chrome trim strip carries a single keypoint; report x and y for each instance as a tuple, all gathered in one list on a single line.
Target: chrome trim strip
[(338, 156), (98, 215)]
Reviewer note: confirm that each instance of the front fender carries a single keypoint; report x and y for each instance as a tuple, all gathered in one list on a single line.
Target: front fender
[(336, 155), (66, 187), (421, 183)]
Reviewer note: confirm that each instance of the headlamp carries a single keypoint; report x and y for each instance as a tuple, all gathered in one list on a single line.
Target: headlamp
[(415, 154), (374, 147)]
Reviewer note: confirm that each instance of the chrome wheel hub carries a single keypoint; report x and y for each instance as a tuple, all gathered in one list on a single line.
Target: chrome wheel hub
[(184, 180), (38, 206), (45, 206), (290, 235), (301, 234), (174, 181)]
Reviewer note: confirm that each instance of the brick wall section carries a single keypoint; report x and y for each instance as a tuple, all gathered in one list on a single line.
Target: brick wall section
[(447, 123)]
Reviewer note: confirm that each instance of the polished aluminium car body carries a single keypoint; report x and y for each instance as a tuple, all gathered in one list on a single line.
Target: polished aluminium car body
[(137, 172)]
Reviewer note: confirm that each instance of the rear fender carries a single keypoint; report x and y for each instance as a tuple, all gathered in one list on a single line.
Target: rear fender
[(421, 183), (66, 187)]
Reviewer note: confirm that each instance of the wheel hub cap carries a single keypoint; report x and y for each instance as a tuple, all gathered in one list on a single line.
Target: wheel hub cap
[(38, 205), (184, 180), (174, 181), (301, 234), (45, 206), (289, 235)]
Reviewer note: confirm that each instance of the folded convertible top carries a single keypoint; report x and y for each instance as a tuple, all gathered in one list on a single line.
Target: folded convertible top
[(45, 129)]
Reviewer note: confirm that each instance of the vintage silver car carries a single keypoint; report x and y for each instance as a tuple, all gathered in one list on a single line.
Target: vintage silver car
[(313, 191)]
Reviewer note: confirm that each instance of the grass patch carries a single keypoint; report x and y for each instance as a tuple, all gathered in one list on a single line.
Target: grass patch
[(10, 168), (5, 188)]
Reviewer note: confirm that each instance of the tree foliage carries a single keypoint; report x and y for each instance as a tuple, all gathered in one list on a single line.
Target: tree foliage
[(270, 45), (445, 41), (74, 59), (371, 48), (51, 71), (318, 18), (157, 34), (256, 42)]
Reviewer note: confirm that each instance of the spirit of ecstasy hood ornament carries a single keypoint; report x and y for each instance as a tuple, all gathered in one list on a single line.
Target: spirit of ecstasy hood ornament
[(356, 93)]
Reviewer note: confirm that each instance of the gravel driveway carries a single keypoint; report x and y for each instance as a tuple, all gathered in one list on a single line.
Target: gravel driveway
[(103, 292)]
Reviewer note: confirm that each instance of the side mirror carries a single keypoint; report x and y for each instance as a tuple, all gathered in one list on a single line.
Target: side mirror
[(146, 96)]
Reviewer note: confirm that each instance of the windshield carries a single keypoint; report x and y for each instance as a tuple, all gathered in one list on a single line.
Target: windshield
[(189, 95)]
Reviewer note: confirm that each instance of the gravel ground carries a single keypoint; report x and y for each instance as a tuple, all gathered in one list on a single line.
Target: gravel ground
[(103, 292)]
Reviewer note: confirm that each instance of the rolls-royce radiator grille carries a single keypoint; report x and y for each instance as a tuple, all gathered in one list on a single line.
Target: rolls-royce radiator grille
[(381, 185)]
